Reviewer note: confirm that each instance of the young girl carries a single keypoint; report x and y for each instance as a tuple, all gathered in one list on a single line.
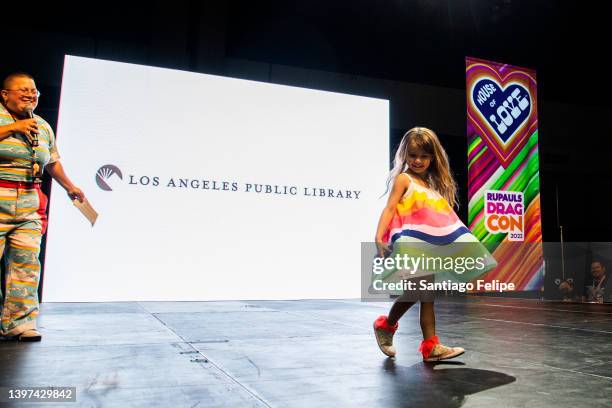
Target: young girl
[(419, 210)]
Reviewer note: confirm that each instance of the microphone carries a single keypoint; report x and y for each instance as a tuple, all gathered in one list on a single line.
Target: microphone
[(34, 136)]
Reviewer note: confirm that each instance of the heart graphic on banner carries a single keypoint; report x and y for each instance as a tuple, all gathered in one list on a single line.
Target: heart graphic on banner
[(504, 109)]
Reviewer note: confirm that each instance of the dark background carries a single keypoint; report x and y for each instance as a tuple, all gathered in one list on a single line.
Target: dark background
[(419, 42)]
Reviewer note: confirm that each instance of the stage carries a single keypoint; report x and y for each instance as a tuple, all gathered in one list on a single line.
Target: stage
[(316, 353)]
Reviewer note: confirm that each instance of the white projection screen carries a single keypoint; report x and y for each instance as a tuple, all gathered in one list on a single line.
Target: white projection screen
[(211, 188)]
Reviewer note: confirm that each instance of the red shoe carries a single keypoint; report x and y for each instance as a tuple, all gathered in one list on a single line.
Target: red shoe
[(433, 350), (384, 335)]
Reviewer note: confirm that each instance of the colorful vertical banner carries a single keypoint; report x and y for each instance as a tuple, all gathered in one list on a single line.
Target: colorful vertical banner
[(503, 170)]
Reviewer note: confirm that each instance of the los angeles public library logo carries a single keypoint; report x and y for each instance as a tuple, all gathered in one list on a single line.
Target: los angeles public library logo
[(105, 174)]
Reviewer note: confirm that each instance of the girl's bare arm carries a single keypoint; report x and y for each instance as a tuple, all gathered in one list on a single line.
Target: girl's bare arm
[(401, 183)]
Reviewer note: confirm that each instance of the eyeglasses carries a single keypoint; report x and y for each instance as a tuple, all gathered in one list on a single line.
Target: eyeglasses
[(31, 92)]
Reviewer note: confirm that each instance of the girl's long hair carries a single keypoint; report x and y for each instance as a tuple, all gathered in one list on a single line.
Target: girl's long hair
[(440, 176)]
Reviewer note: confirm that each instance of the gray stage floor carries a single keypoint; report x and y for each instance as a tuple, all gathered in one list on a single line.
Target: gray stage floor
[(314, 353)]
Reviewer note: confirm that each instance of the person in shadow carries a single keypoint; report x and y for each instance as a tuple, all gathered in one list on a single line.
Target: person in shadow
[(595, 288)]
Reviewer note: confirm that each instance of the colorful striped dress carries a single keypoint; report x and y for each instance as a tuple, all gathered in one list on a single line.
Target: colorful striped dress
[(425, 227)]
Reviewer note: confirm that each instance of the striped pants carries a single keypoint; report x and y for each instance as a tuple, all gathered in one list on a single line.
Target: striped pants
[(22, 223)]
